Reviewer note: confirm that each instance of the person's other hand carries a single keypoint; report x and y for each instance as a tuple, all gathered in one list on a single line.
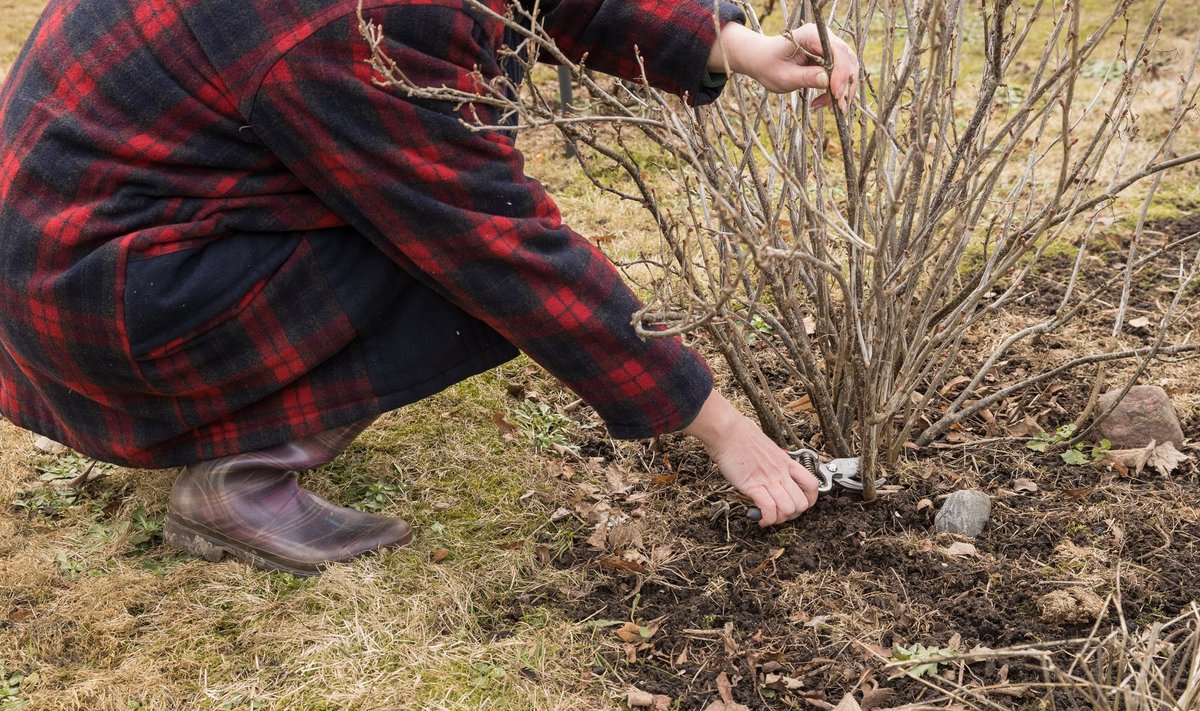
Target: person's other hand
[(757, 467), (782, 65)]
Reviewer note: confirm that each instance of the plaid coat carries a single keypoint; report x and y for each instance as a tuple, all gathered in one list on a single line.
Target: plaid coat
[(216, 234)]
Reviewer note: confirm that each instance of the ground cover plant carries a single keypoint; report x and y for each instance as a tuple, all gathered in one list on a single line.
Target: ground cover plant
[(558, 569)]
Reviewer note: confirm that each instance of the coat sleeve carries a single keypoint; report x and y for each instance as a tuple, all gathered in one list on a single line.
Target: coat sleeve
[(453, 206), (672, 37)]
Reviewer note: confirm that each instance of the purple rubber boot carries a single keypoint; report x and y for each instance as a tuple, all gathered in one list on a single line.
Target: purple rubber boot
[(250, 506)]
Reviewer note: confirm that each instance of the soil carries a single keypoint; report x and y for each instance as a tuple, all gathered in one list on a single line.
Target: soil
[(801, 615)]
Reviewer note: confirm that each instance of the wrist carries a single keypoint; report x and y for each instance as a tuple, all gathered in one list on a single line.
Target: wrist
[(730, 48), (717, 420)]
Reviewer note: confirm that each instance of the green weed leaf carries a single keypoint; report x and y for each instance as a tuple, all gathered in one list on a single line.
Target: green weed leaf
[(1075, 456)]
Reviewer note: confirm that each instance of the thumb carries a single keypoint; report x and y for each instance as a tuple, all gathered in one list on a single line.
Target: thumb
[(797, 76)]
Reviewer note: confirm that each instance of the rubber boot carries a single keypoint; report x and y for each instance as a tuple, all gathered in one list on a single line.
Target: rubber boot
[(250, 506)]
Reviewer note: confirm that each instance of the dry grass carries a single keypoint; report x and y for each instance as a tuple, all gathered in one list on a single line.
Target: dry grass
[(16, 20), (94, 620)]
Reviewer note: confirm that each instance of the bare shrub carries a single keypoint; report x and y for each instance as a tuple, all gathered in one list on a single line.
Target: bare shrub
[(850, 253)]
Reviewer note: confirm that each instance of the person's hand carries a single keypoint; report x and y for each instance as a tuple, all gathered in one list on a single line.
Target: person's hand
[(782, 65), (779, 486)]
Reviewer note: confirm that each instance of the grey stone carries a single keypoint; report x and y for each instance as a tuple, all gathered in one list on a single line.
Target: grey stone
[(964, 512), (1145, 414)]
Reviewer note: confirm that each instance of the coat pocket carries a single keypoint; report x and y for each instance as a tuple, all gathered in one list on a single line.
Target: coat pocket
[(269, 324), (172, 298)]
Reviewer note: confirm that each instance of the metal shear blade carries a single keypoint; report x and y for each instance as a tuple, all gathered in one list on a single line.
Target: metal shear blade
[(842, 472)]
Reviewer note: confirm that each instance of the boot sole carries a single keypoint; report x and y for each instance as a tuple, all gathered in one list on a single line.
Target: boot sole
[(212, 546)]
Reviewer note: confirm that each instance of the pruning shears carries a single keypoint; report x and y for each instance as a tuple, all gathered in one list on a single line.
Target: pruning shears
[(841, 472)]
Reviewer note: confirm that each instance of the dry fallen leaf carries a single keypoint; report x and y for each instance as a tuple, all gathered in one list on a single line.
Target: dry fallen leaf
[(631, 651), (1027, 427), (440, 554), (953, 384), (959, 549), (504, 425), (800, 404), (1118, 532), (630, 632), (48, 446), (1165, 458), (1124, 460), (627, 535), (847, 704), (616, 480), (636, 698), (599, 537), (613, 563), (724, 688), (19, 614), (1023, 484), (1139, 323), (779, 682), (875, 698), (924, 504)]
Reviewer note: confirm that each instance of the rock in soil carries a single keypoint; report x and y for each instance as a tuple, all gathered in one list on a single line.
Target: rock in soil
[(1145, 414), (1072, 606), (964, 512)]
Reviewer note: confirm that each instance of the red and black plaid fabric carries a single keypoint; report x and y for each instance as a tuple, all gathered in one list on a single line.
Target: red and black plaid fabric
[(217, 235)]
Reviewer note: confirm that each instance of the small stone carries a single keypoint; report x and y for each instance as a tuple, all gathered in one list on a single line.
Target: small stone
[(1144, 415), (964, 512)]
